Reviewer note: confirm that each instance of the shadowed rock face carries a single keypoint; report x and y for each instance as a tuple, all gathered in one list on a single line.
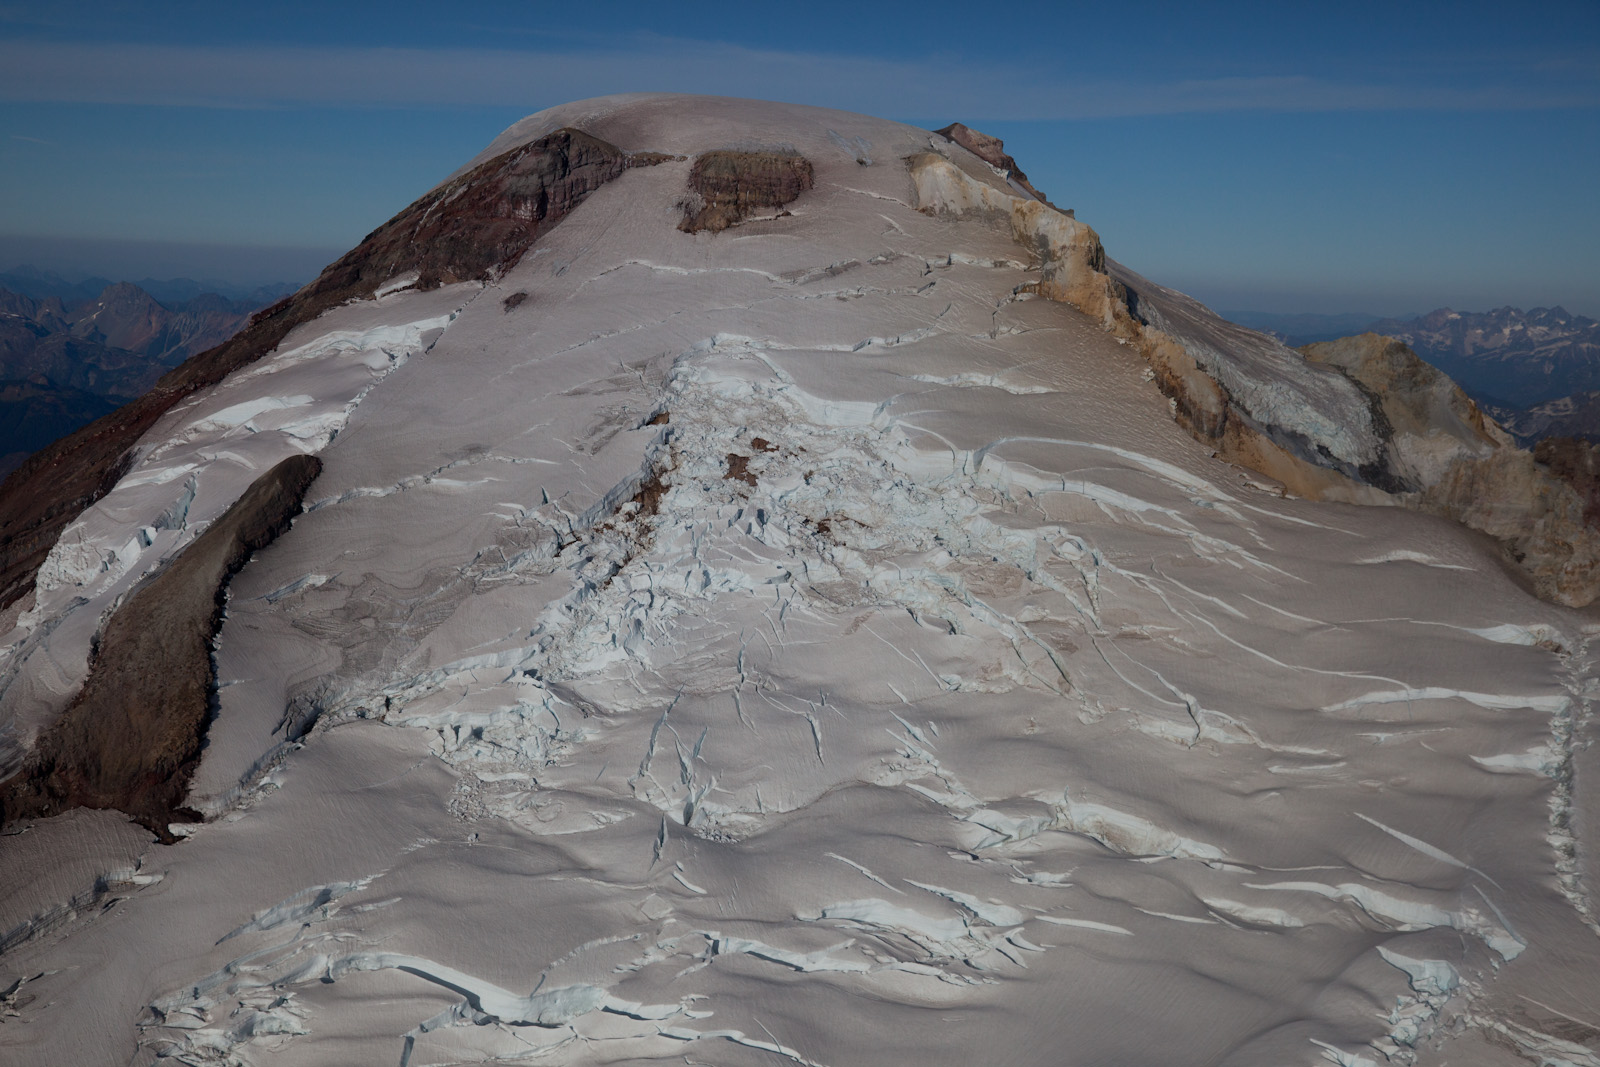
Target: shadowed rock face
[(733, 186), (482, 222), (472, 227), (132, 737)]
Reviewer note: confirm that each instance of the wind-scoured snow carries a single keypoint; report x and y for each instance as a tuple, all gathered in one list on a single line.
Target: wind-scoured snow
[(674, 668)]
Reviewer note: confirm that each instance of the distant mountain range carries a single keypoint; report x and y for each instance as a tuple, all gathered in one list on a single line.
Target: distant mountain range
[(1509, 357), (1533, 370), (67, 358), (1577, 415), (43, 284)]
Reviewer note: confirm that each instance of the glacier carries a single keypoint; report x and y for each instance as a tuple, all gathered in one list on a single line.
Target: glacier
[(802, 643)]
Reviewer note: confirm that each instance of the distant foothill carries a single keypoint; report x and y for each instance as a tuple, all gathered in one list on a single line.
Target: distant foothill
[(72, 351)]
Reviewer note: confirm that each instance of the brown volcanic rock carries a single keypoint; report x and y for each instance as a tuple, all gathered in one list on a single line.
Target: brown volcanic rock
[(1539, 519), (733, 186), (472, 227), (131, 738), (477, 225), (992, 150)]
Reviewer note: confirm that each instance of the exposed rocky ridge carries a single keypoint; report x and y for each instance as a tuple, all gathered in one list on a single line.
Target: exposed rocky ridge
[(1454, 461), (1071, 261), (475, 226), (992, 150), (1258, 402), (1362, 420), (131, 738), (1306, 425), (1428, 422), (729, 187), (1533, 371), (471, 227)]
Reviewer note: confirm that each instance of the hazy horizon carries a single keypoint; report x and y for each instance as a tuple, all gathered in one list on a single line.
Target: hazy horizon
[(1381, 159)]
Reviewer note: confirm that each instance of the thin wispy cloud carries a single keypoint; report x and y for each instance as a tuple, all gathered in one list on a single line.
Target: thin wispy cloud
[(257, 77)]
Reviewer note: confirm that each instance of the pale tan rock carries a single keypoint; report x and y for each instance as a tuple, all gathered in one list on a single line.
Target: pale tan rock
[(1071, 260), (1431, 422), (1074, 270), (1385, 429)]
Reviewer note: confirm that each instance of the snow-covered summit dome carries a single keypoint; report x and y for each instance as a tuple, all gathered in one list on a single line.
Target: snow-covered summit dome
[(757, 604)]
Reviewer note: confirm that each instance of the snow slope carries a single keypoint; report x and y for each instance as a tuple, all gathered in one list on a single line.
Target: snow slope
[(796, 644)]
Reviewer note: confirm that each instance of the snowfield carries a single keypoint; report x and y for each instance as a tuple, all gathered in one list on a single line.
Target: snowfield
[(798, 644)]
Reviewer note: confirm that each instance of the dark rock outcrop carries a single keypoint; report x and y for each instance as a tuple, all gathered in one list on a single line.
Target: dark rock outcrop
[(477, 225), (729, 187), (132, 737), (472, 227)]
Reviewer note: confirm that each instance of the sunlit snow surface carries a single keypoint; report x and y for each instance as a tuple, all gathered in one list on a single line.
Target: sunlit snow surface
[(994, 723)]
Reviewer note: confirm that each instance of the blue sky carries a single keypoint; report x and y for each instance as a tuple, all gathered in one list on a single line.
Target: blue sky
[(1380, 157)]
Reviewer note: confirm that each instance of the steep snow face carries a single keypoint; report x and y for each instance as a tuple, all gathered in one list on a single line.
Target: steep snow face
[(186, 472), (800, 644)]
